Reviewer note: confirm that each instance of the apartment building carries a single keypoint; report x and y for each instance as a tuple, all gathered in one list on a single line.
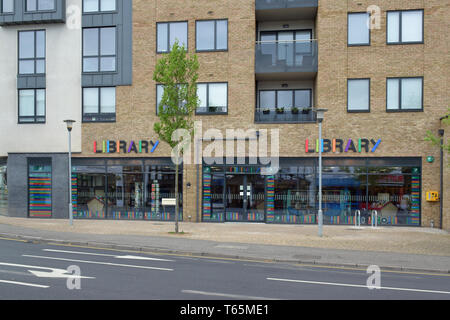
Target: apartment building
[(379, 68)]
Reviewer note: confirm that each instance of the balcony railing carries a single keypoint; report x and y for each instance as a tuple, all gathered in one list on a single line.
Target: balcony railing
[(281, 4), (274, 115), (286, 56)]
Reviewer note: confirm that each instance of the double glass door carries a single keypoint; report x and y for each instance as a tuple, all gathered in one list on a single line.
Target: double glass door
[(244, 196)]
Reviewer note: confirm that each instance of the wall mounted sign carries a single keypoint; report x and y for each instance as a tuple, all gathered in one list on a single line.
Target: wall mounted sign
[(340, 145), (111, 146)]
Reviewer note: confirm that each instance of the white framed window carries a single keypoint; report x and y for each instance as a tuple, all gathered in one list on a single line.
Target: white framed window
[(358, 29), (358, 95), (405, 27), (404, 94), (99, 104), (31, 106), (168, 33)]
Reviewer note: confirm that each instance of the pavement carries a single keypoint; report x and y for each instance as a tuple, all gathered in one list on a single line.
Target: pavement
[(390, 248)]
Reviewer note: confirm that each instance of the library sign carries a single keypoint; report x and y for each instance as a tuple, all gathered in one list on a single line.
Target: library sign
[(342, 146), (121, 146)]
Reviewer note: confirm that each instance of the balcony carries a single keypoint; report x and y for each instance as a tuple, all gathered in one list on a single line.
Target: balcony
[(285, 9), (285, 60), (285, 116)]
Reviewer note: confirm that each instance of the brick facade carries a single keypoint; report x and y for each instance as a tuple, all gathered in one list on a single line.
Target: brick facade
[(402, 133)]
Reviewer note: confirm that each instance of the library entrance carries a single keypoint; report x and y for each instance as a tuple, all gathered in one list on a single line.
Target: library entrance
[(244, 197), (233, 193)]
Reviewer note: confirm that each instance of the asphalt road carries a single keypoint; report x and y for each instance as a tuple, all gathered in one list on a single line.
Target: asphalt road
[(37, 271)]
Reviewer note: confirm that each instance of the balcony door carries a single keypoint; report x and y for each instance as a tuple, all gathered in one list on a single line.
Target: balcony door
[(287, 46)]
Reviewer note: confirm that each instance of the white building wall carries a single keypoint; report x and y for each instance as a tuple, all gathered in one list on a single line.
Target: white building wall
[(63, 88)]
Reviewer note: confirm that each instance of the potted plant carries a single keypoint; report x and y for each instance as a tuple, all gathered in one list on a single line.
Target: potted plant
[(212, 109), (306, 110), (294, 110), (266, 111), (280, 110)]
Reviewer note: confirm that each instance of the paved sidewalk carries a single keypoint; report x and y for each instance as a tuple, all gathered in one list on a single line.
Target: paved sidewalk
[(399, 248)]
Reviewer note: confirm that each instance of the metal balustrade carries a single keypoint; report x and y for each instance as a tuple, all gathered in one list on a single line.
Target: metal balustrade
[(286, 56)]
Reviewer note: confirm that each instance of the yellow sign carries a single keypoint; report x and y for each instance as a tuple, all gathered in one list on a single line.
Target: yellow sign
[(432, 196)]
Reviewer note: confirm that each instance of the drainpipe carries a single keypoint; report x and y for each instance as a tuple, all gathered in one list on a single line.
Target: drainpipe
[(441, 198)]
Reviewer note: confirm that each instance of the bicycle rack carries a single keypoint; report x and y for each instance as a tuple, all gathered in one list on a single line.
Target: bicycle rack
[(358, 220), (374, 213)]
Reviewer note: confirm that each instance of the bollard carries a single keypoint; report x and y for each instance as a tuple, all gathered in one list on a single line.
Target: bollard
[(374, 212), (358, 221)]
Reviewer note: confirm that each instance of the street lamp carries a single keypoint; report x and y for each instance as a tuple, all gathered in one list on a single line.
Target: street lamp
[(69, 124), (320, 115)]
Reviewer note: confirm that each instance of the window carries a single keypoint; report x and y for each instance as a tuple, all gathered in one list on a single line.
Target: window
[(32, 106), (6, 6), (290, 47), (159, 96), (358, 95), (213, 97), (40, 5), (404, 94), (31, 52), (169, 32), (99, 49), (212, 35), (98, 5), (404, 27), (270, 100), (358, 29), (99, 104)]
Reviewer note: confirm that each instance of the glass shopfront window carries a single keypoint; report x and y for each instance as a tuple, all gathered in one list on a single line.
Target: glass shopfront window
[(294, 195), (391, 186), (126, 189)]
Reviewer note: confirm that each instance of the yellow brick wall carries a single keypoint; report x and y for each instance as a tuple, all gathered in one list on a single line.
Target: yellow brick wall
[(402, 133)]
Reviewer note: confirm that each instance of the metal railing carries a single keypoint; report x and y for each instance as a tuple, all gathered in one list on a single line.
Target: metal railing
[(286, 56)]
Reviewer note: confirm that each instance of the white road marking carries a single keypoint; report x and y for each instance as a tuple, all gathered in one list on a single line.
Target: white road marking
[(53, 272), (358, 286), (97, 262), (226, 295), (24, 284), (57, 274), (109, 255)]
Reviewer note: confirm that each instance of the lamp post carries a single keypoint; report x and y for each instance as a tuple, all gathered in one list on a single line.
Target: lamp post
[(320, 115), (69, 124)]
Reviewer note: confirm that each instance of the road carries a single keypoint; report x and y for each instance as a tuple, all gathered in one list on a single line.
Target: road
[(38, 271)]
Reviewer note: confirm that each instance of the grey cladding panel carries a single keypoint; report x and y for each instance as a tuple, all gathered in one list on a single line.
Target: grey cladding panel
[(122, 20), (22, 17)]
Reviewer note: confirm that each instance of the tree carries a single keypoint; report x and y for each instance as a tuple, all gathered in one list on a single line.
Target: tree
[(178, 73), (435, 140)]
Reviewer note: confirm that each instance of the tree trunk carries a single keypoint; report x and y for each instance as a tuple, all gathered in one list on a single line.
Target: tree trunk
[(177, 201)]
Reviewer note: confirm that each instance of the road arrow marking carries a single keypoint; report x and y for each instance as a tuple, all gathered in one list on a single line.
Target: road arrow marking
[(57, 273), (109, 255), (51, 273)]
